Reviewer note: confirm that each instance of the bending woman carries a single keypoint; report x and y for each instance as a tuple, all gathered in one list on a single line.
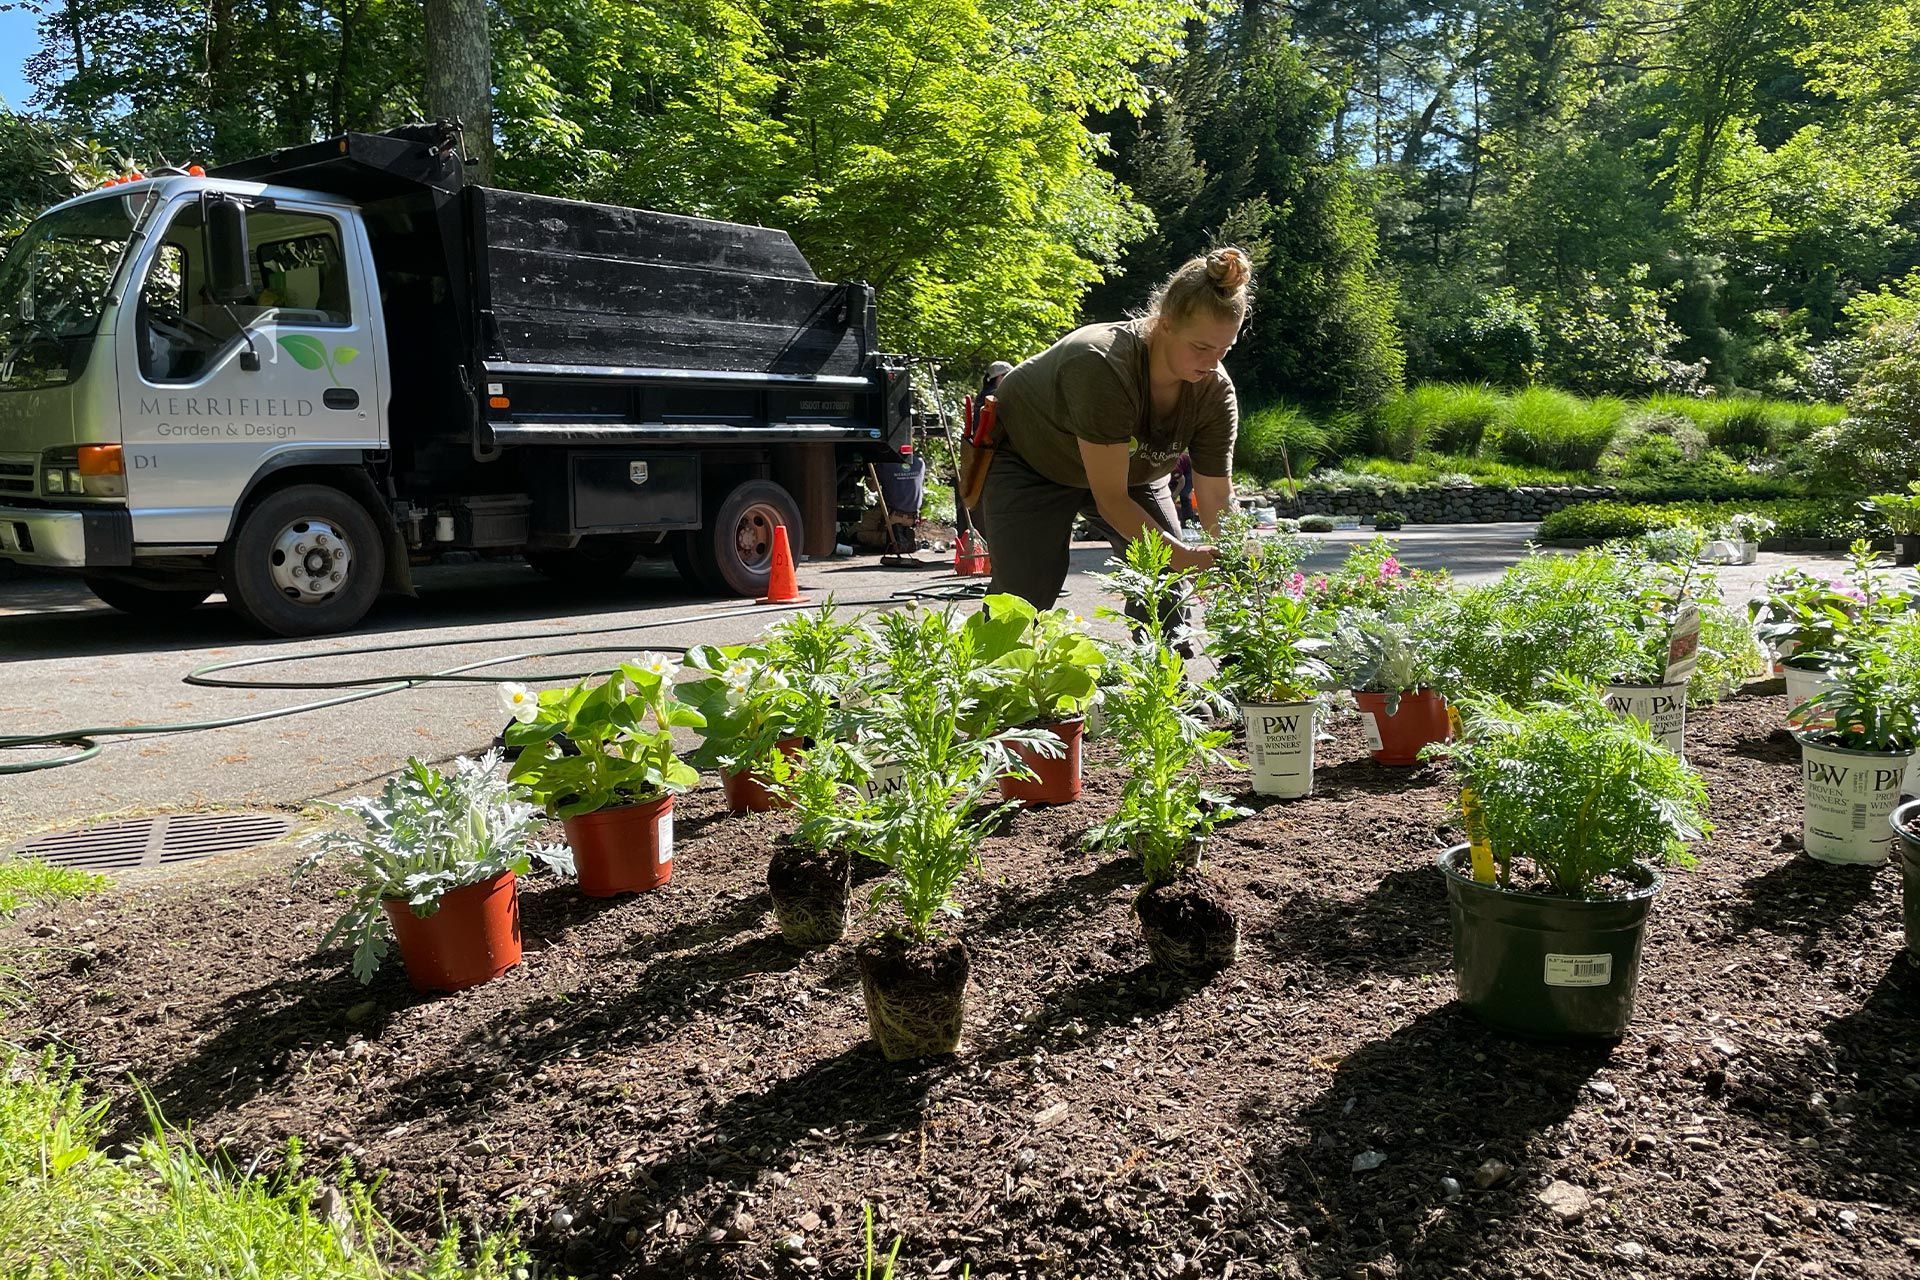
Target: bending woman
[(1095, 424)]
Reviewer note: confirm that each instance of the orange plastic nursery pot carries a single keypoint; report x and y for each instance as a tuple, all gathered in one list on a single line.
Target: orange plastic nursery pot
[(1420, 719), (1058, 777), (746, 790), (473, 937), (625, 849)]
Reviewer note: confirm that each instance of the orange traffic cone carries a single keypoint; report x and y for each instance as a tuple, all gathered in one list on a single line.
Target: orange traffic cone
[(781, 588)]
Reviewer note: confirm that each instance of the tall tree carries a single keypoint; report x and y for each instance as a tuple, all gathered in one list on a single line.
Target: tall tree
[(460, 73)]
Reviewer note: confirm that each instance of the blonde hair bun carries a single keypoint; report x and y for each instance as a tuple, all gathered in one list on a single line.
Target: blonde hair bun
[(1229, 269)]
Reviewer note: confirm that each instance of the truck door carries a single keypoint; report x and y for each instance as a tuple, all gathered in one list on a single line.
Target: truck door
[(198, 420)]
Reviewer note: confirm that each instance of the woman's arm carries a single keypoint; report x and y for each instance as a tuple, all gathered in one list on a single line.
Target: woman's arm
[(1106, 466), (1213, 495)]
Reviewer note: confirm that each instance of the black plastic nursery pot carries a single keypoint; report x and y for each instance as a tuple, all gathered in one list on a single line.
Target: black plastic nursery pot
[(1906, 825), (916, 994), (1541, 966), (811, 891)]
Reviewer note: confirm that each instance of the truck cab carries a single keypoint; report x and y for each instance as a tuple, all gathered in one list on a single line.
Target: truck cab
[(294, 379)]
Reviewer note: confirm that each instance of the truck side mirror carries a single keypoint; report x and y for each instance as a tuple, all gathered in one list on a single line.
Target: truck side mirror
[(229, 277)]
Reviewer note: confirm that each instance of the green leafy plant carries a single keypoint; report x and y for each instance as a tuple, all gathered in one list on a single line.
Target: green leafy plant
[(1045, 667), (818, 784), (1387, 521), (1900, 512), (425, 835), (926, 830), (1814, 622), (592, 746), (1316, 524), (1545, 613), (1872, 701), (1266, 631), (1579, 792), (746, 703), (820, 656)]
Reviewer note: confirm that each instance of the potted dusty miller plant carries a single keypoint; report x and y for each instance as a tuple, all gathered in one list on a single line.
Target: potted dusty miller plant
[(1580, 809), (926, 831), (1386, 619), (1161, 725), (435, 863), (750, 711), (1046, 673), (1265, 635), (1857, 737), (810, 875), (600, 757)]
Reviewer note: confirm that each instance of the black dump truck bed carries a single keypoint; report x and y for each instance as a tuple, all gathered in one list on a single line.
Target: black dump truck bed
[(597, 322)]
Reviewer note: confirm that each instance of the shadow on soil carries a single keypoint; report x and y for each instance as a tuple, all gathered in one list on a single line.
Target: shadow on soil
[(1400, 928), (1438, 1098)]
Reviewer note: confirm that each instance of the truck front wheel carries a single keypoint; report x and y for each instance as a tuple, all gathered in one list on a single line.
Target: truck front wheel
[(733, 552), (306, 560)]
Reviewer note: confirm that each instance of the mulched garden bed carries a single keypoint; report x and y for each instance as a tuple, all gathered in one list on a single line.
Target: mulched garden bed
[(664, 1088)]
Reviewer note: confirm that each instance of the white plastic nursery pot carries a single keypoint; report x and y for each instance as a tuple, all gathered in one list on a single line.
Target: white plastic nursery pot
[(1749, 553), (1280, 747), (1851, 796), (1803, 683), (1662, 707)]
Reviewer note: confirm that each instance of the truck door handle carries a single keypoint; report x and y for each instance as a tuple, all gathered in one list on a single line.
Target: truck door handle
[(341, 398)]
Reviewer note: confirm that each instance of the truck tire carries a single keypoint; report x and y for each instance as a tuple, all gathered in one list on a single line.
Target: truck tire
[(305, 561), (595, 562), (733, 552), (146, 602)]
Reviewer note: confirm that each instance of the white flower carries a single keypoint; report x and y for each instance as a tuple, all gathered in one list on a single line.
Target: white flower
[(739, 673), (519, 702), (659, 664)]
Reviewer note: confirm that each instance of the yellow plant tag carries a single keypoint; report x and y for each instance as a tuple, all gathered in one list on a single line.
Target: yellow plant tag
[(1478, 848)]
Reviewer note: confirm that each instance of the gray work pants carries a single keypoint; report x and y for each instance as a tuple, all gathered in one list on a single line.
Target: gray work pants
[(1028, 520)]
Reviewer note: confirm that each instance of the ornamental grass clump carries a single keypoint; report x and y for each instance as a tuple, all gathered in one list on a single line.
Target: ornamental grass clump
[(426, 837), (1572, 799), (1161, 724)]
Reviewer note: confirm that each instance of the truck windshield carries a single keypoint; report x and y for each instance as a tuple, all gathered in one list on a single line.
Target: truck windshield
[(53, 286)]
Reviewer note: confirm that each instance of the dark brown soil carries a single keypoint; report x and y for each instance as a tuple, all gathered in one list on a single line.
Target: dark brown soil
[(697, 1094)]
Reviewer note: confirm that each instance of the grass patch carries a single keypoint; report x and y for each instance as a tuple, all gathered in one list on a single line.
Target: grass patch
[(1553, 429), (1445, 417), (31, 882), (1283, 439), (66, 1210), (1437, 468)]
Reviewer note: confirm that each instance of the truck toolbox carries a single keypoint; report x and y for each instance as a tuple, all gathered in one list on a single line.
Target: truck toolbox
[(595, 491)]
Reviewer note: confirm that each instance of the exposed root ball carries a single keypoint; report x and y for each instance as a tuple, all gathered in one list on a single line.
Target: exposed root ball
[(916, 995), (1189, 925)]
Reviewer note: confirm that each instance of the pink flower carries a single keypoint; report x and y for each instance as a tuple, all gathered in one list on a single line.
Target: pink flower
[(1390, 567), (1296, 584), (1319, 582)]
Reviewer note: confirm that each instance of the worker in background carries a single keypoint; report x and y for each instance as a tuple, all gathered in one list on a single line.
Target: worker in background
[(1095, 424)]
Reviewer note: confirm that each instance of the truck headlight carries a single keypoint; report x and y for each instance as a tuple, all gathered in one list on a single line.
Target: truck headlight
[(54, 481)]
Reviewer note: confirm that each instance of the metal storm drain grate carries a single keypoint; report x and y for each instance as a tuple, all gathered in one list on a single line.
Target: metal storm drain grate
[(152, 842)]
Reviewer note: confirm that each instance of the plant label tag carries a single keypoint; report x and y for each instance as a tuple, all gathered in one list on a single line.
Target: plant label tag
[(1683, 647), (663, 838), (1370, 725), (1579, 971)]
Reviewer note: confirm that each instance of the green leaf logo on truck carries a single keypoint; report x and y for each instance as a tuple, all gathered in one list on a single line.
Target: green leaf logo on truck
[(311, 353)]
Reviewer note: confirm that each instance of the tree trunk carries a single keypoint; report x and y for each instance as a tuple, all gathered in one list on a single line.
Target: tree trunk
[(460, 73)]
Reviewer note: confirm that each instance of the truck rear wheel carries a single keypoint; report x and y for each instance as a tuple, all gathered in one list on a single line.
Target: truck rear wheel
[(733, 552), (144, 601), (595, 562), (306, 560)]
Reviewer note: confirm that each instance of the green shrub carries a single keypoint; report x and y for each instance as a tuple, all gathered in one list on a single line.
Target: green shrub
[(1795, 518), (29, 880), (1316, 524), (1553, 429), (1581, 792), (1389, 520)]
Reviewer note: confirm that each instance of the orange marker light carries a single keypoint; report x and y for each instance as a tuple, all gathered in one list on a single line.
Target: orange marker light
[(195, 171), (499, 402), (102, 460)]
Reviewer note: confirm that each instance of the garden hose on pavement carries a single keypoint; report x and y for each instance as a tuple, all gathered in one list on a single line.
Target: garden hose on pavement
[(84, 744)]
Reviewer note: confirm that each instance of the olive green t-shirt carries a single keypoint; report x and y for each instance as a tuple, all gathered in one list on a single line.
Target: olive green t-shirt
[(1093, 385)]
